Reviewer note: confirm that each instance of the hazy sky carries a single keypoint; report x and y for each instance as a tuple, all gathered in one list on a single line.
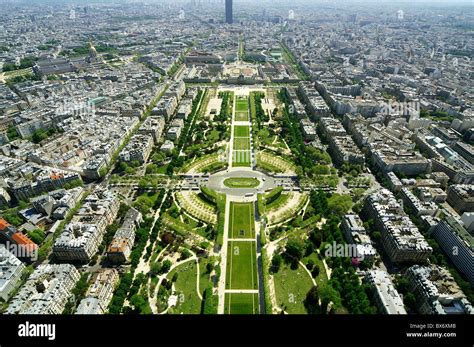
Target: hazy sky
[(289, 2), (268, 3)]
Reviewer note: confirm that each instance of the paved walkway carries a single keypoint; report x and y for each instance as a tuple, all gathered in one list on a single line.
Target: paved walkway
[(309, 273), (144, 265), (243, 240), (221, 285), (241, 291)]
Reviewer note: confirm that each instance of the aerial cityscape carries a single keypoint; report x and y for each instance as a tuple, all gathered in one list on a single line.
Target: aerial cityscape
[(236, 157)]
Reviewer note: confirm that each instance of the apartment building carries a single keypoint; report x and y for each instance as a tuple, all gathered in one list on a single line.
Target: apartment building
[(46, 291), (401, 239)]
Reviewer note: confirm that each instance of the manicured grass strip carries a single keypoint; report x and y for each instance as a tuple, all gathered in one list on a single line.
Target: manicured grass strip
[(279, 202), (242, 164), (242, 182), (274, 194), (242, 116), (242, 220), (241, 131), (241, 270), (241, 158), (241, 143), (241, 303), (242, 104)]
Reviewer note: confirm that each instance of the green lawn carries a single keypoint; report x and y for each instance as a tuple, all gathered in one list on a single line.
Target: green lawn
[(238, 303), (185, 285), (241, 182), (267, 166), (176, 225), (242, 104), (204, 278), (278, 202), (291, 287), (241, 131), (322, 277), (241, 143), (242, 116), (241, 158), (241, 270), (242, 220)]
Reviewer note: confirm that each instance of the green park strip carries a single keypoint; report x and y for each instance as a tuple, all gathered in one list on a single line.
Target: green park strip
[(241, 158), (241, 182), (242, 104), (241, 272), (242, 116), (242, 220), (241, 131), (241, 303), (241, 143)]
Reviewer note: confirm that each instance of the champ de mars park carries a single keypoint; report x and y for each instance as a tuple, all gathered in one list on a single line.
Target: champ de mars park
[(247, 224)]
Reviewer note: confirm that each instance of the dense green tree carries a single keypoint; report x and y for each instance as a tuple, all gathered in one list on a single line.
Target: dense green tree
[(339, 204), (410, 301), (312, 301), (295, 248), (276, 263), (166, 265), (327, 295)]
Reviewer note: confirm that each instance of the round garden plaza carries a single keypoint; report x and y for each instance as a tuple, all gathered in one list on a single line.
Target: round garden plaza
[(241, 182)]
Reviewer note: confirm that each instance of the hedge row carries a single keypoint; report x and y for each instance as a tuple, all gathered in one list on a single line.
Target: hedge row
[(273, 195)]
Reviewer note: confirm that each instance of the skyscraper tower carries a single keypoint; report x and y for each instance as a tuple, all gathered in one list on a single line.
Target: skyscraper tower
[(228, 12)]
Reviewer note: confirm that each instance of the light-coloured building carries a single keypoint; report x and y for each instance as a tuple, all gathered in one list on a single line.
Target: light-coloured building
[(174, 133), (418, 206), (401, 239), (313, 100), (386, 296), (138, 149), (46, 291), (341, 145), (10, 272), (82, 236), (99, 294), (355, 233), (461, 197), (121, 246), (458, 245), (436, 291), (167, 146), (154, 127)]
